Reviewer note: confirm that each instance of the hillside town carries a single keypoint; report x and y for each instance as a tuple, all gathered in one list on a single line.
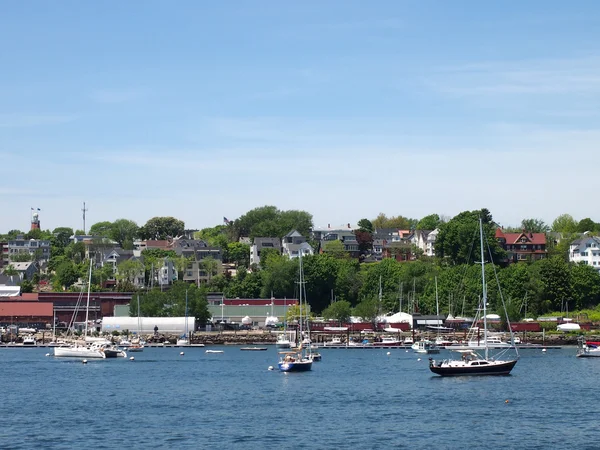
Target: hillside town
[(243, 271)]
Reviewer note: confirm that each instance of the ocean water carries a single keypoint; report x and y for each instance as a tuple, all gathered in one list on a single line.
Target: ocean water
[(358, 399)]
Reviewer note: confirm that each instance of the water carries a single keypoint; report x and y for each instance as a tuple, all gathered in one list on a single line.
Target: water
[(351, 399)]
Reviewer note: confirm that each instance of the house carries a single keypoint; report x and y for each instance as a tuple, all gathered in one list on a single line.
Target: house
[(25, 271), (347, 238), (318, 233), (198, 253), (586, 250), (261, 243), (425, 241), (3, 254), (293, 244), (98, 249), (523, 246), (38, 249)]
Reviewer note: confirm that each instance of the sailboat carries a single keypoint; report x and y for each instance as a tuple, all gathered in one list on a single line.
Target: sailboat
[(77, 350), (283, 339), (299, 359), (184, 339), (472, 363), (137, 345)]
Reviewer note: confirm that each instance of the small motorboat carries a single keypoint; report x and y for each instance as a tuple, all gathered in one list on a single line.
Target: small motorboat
[(214, 351), (253, 349)]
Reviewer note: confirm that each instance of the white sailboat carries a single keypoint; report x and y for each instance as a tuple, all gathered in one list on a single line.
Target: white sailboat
[(300, 359), (472, 363), (137, 345), (184, 340), (82, 350)]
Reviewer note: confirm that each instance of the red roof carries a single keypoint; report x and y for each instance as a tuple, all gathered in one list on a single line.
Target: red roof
[(31, 296), (515, 238), (15, 309)]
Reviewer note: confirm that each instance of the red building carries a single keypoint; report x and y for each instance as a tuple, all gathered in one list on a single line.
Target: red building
[(523, 246)]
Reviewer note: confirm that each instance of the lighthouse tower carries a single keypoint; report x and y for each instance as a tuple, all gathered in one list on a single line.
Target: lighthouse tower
[(35, 221)]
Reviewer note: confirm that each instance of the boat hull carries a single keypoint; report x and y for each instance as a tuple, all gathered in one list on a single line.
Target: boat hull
[(494, 368), (295, 366), (78, 352)]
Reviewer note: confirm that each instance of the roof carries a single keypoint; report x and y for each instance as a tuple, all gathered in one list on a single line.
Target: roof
[(515, 238), (21, 266), (15, 309), (293, 233)]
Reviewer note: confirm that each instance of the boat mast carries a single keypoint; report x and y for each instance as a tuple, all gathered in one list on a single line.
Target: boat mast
[(186, 315), (87, 307), (400, 298), (437, 308), (484, 290)]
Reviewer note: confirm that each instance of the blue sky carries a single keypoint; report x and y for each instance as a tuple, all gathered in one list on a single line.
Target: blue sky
[(345, 109)]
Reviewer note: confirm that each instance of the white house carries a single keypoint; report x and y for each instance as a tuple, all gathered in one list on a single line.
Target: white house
[(586, 250), (425, 240), (294, 243), (261, 243)]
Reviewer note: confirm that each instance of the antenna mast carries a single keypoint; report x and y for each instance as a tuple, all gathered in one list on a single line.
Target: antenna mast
[(84, 209)]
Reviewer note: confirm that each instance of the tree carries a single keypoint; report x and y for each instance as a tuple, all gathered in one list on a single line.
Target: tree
[(367, 309), (128, 270), (365, 225), (534, 226), (340, 311), (585, 286), (365, 241), (101, 229), (335, 248), (22, 257), (400, 222), (430, 222), (66, 274), (564, 224), (123, 232), (457, 237), (587, 224), (239, 254), (268, 221), (159, 228), (210, 265), (265, 254), (61, 237)]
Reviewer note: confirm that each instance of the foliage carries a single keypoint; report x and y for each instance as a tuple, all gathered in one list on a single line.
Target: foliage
[(245, 285), (160, 228), (172, 303), (534, 226), (457, 238), (430, 222), (340, 311), (128, 270), (123, 232), (265, 254), (268, 221), (365, 241), (67, 273), (22, 257), (365, 225), (367, 309), (239, 254), (335, 248), (400, 222), (564, 224), (588, 224)]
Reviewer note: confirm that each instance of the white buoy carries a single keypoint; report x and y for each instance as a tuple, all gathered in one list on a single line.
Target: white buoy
[(389, 353), (544, 350), (406, 351), (270, 367), (47, 354), (418, 359), (131, 358), (182, 353), (84, 361)]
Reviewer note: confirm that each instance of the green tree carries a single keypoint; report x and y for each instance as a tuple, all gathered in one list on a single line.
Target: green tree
[(22, 257), (534, 226), (128, 270), (123, 232), (11, 272), (245, 285), (268, 221), (66, 274), (335, 248), (340, 311), (367, 309), (587, 224), (101, 229), (159, 228), (400, 222), (266, 253), (210, 265), (457, 238), (239, 254), (430, 222), (585, 286), (365, 225), (564, 224)]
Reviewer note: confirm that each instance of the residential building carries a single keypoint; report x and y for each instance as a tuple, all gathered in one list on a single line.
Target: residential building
[(261, 243), (318, 233), (25, 271), (425, 241), (197, 252), (3, 254), (293, 244), (586, 250), (347, 238), (38, 249), (523, 246)]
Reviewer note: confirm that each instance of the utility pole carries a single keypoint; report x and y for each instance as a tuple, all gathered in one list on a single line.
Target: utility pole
[(84, 209)]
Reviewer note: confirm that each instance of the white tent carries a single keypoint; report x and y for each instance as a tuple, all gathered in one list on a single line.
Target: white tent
[(174, 325), (246, 320), (400, 317), (271, 321), (10, 291)]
